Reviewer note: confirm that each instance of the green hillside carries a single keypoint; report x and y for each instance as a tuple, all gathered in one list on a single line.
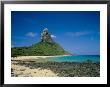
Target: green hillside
[(39, 49), (46, 47)]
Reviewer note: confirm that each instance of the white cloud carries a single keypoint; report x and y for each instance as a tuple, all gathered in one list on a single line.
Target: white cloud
[(31, 34), (77, 33), (53, 36)]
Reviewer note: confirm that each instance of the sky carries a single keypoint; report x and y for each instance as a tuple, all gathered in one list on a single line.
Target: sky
[(77, 32)]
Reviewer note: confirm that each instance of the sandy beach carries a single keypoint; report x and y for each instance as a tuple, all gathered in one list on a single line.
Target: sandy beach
[(37, 66), (33, 57), (22, 71)]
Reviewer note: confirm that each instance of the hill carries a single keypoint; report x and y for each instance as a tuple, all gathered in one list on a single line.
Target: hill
[(46, 47)]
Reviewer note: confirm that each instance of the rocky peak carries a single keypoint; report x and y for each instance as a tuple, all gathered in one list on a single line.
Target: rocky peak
[(45, 36)]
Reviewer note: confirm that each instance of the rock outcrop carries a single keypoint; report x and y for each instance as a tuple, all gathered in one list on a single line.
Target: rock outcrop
[(45, 36)]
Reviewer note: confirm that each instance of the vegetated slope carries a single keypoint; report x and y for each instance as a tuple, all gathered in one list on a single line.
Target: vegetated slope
[(39, 49), (46, 47)]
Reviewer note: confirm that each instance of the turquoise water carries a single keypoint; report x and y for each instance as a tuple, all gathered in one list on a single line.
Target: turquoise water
[(78, 58)]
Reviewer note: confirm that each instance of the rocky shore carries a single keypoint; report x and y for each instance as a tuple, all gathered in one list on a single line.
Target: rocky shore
[(21, 68)]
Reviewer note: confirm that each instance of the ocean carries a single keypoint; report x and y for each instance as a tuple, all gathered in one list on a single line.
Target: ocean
[(76, 58)]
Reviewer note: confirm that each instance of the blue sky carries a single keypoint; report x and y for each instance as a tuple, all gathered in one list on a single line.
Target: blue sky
[(76, 31)]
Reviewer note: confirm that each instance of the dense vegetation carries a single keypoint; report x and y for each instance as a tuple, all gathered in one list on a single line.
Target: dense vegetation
[(66, 69), (39, 49)]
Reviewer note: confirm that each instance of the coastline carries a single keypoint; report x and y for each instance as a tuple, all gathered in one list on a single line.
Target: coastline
[(22, 71), (34, 57), (54, 69), (37, 66)]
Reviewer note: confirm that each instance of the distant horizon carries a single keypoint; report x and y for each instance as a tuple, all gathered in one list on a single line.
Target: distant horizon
[(76, 31)]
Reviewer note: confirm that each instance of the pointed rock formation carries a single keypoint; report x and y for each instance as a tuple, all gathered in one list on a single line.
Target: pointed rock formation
[(45, 36)]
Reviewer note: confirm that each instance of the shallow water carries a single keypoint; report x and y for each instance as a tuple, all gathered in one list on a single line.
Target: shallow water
[(77, 58)]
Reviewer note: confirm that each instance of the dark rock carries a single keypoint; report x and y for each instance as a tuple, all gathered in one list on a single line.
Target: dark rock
[(45, 36)]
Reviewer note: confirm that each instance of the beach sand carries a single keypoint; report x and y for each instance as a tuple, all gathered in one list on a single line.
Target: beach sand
[(36, 66), (22, 71), (33, 57)]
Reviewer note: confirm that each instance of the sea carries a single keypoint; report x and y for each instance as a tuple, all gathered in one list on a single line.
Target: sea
[(75, 58)]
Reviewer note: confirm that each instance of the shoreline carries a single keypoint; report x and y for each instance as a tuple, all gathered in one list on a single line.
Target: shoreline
[(34, 57), (54, 69)]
